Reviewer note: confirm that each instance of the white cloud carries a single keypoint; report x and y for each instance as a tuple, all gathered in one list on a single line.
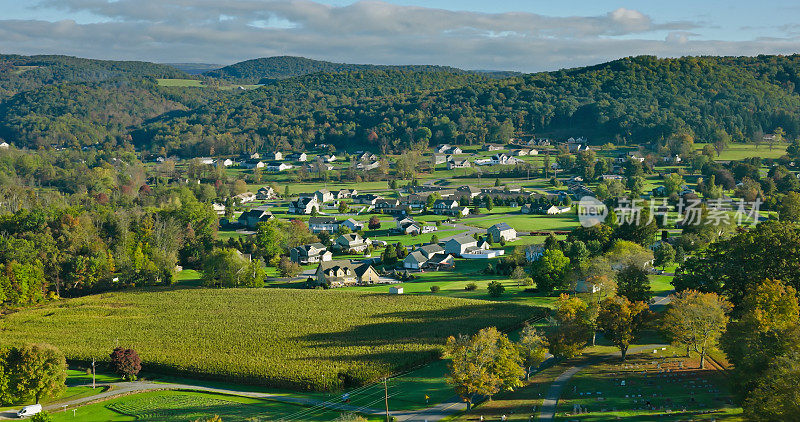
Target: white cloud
[(224, 31)]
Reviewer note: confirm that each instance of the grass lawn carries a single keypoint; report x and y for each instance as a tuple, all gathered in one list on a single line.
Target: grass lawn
[(742, 151), (291, 338), (79, 385), (189, 405), (523, 222)]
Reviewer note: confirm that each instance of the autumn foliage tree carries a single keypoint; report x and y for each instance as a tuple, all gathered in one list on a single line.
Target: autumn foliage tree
[(126, 363), (483, 364), (571, 332), (696, 320), (621, 321)]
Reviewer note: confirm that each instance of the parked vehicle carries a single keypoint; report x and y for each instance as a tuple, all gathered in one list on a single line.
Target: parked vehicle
[(29, 410)]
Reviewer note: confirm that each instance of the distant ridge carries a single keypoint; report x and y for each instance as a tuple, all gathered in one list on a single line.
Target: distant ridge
[(195, 68), (282, 67)]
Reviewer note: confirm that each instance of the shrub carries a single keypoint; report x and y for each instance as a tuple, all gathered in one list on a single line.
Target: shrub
[(496, 289), (435, 289), (42, 416), (470, 287)]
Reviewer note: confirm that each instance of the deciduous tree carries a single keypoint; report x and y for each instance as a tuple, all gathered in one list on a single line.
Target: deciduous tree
[(696, 320)]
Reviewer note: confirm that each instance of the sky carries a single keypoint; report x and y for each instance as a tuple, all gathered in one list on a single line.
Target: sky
[(519, 35)]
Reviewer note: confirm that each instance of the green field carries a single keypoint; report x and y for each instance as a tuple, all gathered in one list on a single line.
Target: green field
[(293, 338), (180, 82), (164, 406), (742, 151)]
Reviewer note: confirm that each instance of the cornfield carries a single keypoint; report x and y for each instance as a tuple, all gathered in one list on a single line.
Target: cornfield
[(298, 339)]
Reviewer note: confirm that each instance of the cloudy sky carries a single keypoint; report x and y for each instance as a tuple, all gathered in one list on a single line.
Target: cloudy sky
[(522, 35)]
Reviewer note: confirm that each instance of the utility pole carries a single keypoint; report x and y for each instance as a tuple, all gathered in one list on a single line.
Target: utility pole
[(386, 398), (93, 372)]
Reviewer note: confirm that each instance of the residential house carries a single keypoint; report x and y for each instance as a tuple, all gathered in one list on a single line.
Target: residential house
[(274, 156), (367, 156), (304, 206), (266, 193), (555, 209), (224, 163), (458, 164), (492, 147), (298, 156), (636, 156), (327, 158), (251, 218), (384, 205), (441, 149), (440, 262), (414, 261), (612, 177), (245, 197), (346, 193), (252, 164), (4, 145), (252, 156), (430, 250), (415, 202), (534, 252), (205, 160), (218, 208), (445, 206), (520, 152), (319, 166), (585, 286), (324, 195), (675, 159), (346, 273), (353, 225), (440, 159), (309, 254), (367, 198), (502, 231), (468, 191), (277, 166), (460, 244), (367, 166), (408, 226), (505, 160), (351, 242), (323, 224)]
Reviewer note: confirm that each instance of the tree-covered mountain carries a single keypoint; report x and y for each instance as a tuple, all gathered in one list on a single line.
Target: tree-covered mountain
[(633, 100), (281, 67), (20, 73)]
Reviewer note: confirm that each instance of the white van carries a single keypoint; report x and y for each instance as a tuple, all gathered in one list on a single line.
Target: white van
[(29, 410)]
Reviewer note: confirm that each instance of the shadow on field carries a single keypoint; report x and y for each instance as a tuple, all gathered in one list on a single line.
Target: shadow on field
[(425, 327)]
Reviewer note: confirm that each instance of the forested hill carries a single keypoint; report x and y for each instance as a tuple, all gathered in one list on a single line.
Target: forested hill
[(21, 73), (67, 101), (633, 100), (282, 67)]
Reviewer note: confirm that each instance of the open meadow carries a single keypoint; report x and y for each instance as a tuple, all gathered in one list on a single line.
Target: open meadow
[(298, 339)]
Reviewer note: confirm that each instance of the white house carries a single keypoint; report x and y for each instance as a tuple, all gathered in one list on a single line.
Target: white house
[(274, 156), (323, 224), (277, 166), (459, 245), (414, 261), (502, 231)]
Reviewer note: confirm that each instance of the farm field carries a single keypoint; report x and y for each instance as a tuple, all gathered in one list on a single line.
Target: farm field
[(321, 339), (742, 151), (180, 82)]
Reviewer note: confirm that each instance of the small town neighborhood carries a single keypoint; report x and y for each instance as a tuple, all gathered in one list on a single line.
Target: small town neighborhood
[(399, 211)]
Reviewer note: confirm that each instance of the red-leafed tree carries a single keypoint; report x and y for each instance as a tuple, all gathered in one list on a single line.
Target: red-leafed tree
[(126, 363)]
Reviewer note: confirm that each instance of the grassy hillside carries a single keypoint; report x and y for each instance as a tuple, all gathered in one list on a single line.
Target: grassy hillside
[(282, 67), (301, 339)]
